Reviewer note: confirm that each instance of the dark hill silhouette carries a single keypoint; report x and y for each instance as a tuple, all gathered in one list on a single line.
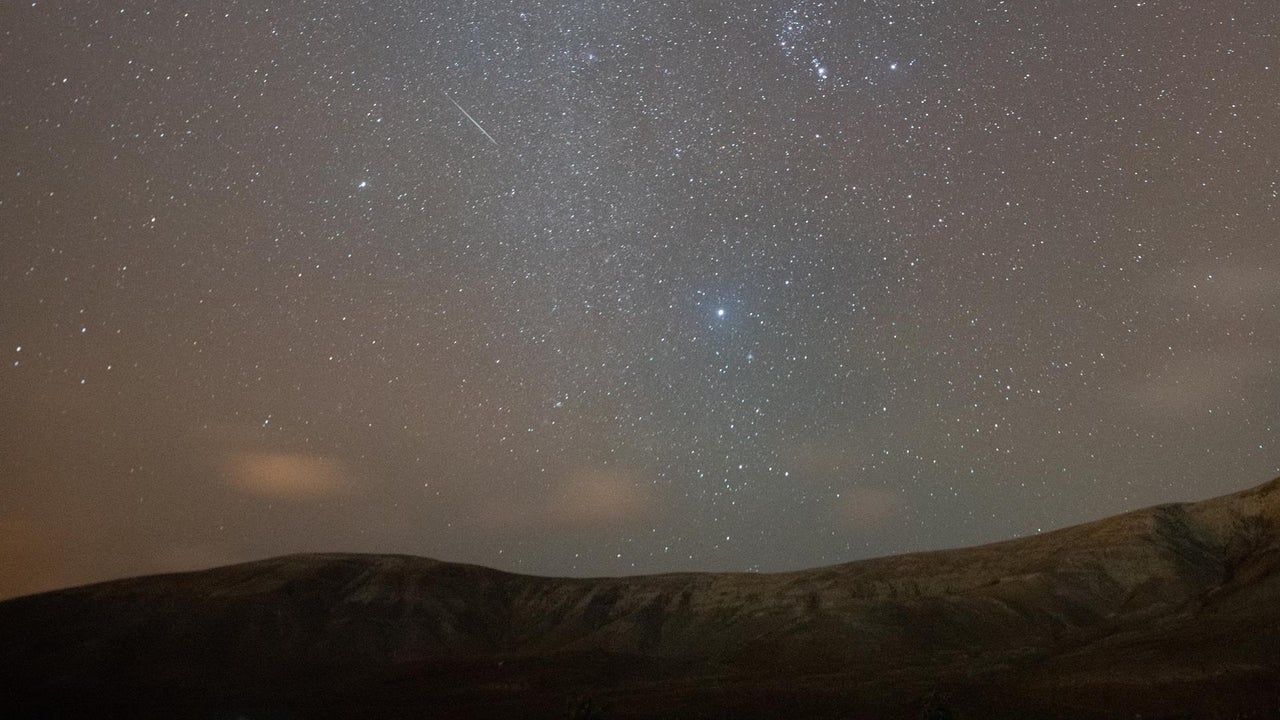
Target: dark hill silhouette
[(1172, 611)]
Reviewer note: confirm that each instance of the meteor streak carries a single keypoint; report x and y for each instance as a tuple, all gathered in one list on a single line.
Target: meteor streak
[(473, 120)]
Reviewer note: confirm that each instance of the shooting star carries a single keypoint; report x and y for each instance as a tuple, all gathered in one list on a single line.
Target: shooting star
[(473, 120)]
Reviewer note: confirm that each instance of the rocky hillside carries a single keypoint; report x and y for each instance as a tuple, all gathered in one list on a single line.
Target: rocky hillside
[(1172, 611)]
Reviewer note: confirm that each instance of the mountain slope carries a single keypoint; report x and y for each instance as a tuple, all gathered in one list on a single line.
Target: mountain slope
[(1164, 611)]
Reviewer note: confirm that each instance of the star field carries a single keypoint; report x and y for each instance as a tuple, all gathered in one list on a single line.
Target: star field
[(610, 288)]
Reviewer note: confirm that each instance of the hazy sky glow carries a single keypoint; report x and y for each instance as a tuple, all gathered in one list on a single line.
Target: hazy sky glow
[(619, 287)]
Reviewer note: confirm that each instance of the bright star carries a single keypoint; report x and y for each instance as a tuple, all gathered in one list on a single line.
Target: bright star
[(719, 312)]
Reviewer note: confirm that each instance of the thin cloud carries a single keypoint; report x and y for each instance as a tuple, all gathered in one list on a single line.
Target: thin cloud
[(286, 476), (869, 509), (599, 496), (584, 498)]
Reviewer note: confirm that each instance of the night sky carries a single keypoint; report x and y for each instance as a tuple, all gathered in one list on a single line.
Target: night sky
[(612, 288)]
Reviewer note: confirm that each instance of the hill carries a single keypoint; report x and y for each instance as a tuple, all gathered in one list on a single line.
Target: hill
[(1170, 611)]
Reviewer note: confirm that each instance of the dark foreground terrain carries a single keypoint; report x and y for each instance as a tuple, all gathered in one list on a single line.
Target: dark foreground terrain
[(1168, 612)]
